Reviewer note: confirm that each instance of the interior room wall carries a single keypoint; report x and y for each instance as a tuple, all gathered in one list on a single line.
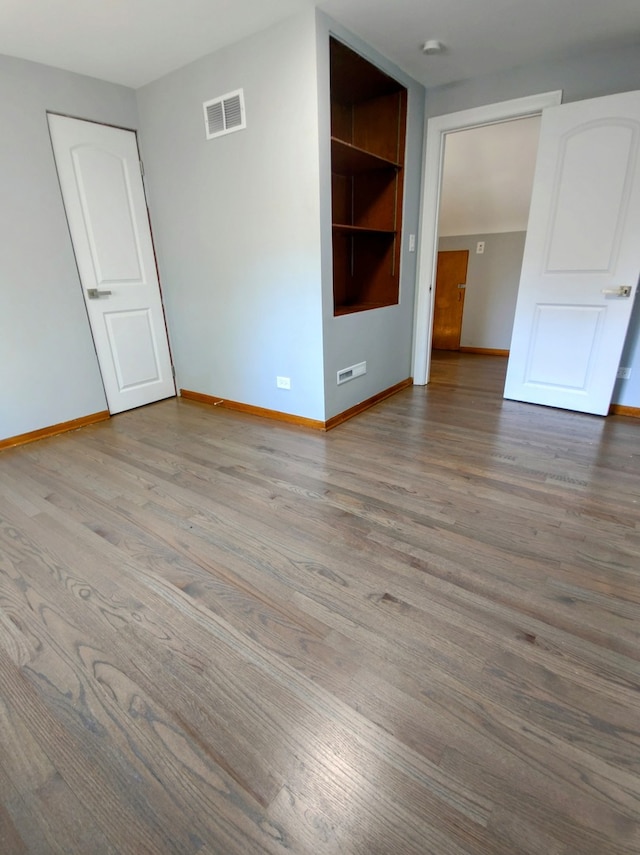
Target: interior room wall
[(487, 181), (237, 220), (585, 74), (492, 287), (589, 74), (381, 337), (242, 226), (48, 368)]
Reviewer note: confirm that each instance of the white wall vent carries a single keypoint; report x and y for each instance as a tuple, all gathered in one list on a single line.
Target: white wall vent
[(346, 374), (225, 114)]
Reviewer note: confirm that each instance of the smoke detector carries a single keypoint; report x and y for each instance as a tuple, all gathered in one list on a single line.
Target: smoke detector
[(432, 46)]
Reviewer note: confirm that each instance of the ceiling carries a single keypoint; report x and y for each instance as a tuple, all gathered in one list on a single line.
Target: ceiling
[(135, 41), (487, 178)]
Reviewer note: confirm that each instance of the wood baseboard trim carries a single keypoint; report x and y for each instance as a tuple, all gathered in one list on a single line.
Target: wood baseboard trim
[(54, 430), (621, 410), (485, 351), (300, 421), (238, 407), (334, 421)]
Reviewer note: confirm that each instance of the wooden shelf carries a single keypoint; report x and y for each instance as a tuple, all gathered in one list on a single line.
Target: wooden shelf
[(347, 159), (360, 307), (368, 134), (354, 78), (343, 228)]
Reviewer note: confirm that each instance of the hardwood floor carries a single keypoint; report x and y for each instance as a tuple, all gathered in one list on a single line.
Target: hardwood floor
[(418, 633)]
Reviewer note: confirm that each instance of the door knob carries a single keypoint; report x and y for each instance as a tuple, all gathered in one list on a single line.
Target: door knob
[(94, 294), (621, 291)]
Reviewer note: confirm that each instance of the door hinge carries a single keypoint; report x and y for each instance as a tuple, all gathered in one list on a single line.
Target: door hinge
[(141, 168), (173, 371)]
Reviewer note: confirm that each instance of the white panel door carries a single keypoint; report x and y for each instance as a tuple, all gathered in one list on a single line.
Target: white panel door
[(582, 256), (99, 171)]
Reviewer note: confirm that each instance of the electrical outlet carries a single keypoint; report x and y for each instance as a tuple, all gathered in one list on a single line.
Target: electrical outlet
[(480, 247), (624, 373), (283, 382)]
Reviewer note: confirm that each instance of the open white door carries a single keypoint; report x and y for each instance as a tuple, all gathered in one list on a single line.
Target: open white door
[(99, 171), (582, 256)]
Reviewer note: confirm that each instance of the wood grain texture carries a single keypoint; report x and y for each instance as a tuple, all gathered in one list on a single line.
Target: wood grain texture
[(621, 410), (334, 421), (485, 351), (448, 306), (417, 633), (239, 407), (54, 430)]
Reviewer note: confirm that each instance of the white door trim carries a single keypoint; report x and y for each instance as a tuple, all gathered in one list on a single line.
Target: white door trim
[(436, 130)]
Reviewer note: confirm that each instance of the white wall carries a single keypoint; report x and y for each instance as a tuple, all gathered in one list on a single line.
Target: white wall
[(487, 178), (48, 367), (381, 337), (492, 287), (237, 221), (587, 75)]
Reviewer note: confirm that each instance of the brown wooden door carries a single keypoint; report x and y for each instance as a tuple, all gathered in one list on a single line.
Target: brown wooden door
[(449, 302)]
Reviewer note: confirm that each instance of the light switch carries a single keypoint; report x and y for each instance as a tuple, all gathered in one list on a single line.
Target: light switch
[(480, 247)]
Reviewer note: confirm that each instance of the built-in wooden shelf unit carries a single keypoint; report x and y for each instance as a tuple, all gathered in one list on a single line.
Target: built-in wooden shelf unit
[(368, 131)]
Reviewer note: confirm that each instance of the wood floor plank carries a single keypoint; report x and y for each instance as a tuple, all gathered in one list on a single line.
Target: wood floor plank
[(90, 691), (10, 839), (455, 714), (101, 787), (417, 633), (337, 715)]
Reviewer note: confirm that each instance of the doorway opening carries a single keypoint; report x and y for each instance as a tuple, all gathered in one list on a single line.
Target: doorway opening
[(487, 181), (438, 130)]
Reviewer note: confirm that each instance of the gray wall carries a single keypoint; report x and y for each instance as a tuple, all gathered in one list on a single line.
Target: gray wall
[(48, 367), (492, 287), (382, 337), (588, 75), (237, 220), (584, 75)]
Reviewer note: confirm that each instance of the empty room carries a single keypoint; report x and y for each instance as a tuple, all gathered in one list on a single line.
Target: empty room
[(278, 573)]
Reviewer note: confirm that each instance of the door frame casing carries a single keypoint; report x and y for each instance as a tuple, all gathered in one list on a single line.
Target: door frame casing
[(436, 130)]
